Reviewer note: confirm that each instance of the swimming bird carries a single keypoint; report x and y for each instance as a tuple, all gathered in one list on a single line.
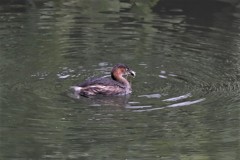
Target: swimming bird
[(113, 85)]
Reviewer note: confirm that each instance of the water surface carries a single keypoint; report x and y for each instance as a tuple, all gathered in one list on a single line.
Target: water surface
[(185, 101)]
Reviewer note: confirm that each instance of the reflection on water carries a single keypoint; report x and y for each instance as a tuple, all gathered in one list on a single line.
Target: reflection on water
[(117, 101), (185, 96)]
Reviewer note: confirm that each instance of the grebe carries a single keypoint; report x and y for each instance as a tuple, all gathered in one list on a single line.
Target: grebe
[(114, 85)]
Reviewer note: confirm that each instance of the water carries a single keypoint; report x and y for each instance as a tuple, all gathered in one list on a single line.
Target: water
[(185, 101)]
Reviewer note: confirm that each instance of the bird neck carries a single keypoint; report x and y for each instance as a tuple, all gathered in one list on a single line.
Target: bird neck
[(124, 81), (121, 79)]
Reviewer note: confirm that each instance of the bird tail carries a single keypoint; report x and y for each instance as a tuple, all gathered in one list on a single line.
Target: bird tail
[(74, 92), (75, 89)]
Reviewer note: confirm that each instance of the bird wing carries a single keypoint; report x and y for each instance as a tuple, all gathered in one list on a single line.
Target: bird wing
[(105, 81)]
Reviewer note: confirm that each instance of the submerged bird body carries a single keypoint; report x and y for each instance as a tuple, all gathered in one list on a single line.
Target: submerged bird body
[(114, 85)]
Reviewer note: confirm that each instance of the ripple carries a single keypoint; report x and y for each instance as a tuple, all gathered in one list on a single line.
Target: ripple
[(151, 96), (60, 76), (137, 107), (40, 75), (181, 104), (178, 98), (162, 76)]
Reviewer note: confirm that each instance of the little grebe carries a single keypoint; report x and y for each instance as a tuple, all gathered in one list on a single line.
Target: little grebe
[(114, 85)]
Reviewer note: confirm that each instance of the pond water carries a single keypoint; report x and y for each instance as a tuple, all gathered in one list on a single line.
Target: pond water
[(185, 100)]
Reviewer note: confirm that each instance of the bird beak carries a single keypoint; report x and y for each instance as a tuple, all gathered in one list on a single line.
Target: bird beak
[(132, 73)]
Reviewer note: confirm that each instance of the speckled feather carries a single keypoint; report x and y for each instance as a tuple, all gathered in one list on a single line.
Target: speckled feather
[(105, 81)]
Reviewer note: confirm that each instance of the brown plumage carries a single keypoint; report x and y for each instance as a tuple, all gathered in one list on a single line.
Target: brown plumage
[(114, 85)]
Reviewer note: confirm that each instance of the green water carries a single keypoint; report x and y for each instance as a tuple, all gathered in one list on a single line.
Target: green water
[(185, 101)]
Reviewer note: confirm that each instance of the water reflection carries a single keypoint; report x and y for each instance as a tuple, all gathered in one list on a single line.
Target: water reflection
[(115, 101)]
